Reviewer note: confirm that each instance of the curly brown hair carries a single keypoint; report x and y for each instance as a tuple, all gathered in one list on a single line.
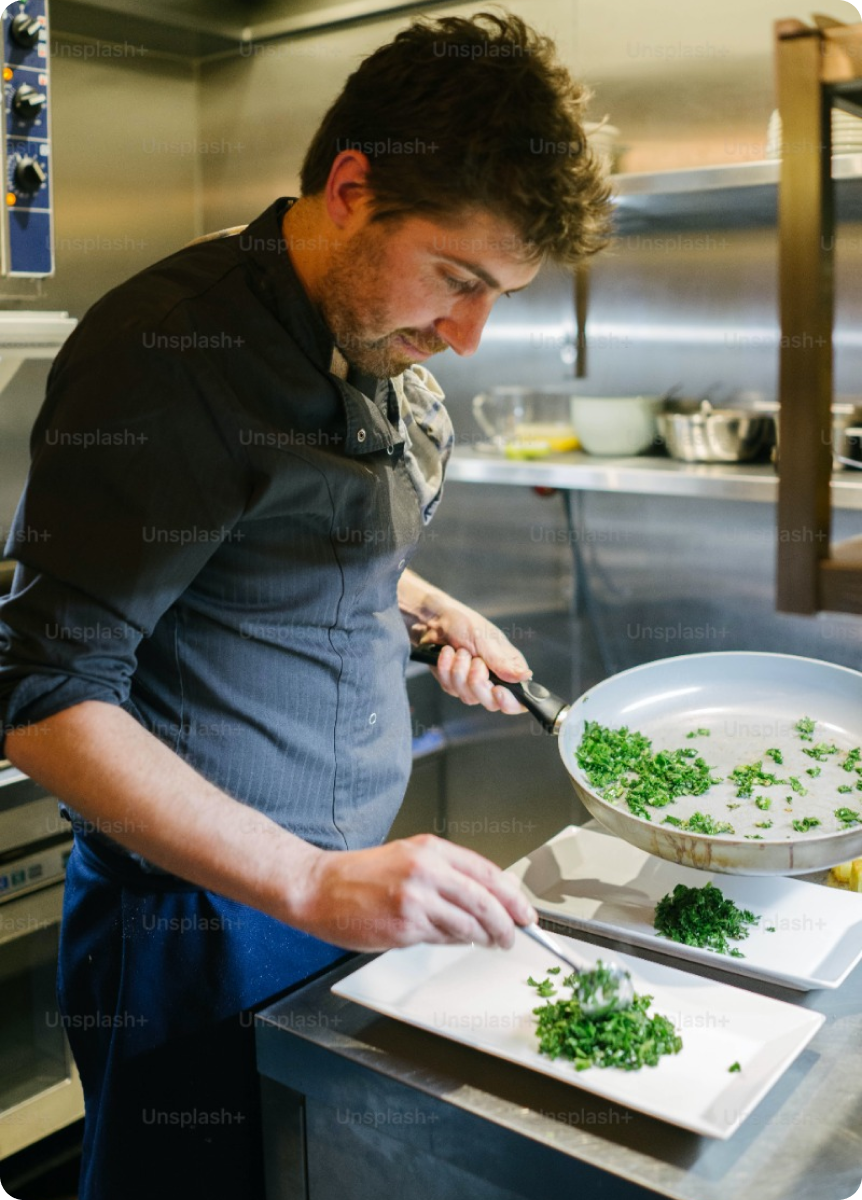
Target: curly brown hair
[(458, 114)]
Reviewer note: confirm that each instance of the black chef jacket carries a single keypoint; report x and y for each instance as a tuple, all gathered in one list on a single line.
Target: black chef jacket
[(211, 536)]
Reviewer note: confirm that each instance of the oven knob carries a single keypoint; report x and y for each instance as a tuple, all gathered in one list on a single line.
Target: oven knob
[(27, 102), (29, 174), (25, 30)]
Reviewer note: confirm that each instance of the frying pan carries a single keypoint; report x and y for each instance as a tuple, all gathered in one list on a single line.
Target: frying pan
[(750, 703)]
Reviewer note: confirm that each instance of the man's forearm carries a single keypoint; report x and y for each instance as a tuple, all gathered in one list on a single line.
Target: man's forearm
[(120, 777), (99, 760)]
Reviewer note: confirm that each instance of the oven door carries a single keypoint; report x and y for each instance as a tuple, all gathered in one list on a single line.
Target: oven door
[(39, 1087)]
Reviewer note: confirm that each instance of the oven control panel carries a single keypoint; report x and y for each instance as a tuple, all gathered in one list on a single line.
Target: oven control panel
[(27, 235), (32, 871)]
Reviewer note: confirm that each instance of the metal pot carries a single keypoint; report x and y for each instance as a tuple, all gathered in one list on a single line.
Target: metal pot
[(845, 442), (695, 431)]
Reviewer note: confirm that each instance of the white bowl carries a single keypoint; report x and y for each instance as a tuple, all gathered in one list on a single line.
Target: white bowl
[(615, 425)]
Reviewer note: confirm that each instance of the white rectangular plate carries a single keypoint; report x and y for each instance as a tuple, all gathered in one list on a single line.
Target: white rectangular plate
[(481, 998), (597, 882)]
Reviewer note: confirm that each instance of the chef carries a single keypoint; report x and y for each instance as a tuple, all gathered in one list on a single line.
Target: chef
[(203, 651)]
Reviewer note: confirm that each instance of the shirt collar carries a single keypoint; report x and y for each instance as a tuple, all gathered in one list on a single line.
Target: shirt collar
[(368, 429)]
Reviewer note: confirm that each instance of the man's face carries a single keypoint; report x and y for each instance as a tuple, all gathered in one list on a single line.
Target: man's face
[(399, 291)]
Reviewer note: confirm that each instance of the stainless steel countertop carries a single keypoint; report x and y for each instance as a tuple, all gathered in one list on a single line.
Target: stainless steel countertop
[(802, 1142), (644, 475)]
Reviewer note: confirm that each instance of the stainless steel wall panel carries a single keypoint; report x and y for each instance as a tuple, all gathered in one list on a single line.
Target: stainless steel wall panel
[(126, 157)]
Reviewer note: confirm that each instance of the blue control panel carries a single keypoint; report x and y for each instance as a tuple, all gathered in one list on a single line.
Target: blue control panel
[(28, 229)]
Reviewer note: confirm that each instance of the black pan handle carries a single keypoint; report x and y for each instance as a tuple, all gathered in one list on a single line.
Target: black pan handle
[(549, 710)]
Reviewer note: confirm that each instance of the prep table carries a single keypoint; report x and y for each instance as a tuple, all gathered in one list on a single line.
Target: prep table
[(357, 1105)]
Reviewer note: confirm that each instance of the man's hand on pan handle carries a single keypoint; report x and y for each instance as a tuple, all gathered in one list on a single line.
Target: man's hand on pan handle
[(471, 645)]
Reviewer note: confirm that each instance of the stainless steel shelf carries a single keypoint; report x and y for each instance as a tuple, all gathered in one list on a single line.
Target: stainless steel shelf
[(641, 476), (726, 197), (701, 179), (25, 335)]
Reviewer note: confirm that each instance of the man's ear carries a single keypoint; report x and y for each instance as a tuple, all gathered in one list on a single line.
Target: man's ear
[(346, 194)]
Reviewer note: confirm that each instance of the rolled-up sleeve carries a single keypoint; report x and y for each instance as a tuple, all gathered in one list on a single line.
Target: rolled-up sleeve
[(135, 481)]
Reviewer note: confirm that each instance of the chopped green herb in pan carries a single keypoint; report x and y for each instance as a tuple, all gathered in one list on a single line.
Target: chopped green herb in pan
[(750, 776), (621, 764), (700, 822), (805, 824), (805, 728), (821, 751), (848, 817)]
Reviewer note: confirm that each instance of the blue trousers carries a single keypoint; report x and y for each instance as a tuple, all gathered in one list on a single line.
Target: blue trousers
[(155, 982)]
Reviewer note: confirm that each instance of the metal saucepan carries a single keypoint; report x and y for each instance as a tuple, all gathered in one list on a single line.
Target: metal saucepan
[(697, 431), (750, 703)]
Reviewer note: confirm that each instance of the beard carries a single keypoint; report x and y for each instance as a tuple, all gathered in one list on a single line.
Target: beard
[(353, 294)]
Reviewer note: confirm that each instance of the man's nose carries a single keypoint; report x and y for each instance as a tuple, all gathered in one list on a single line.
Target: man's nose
[(462, 328)]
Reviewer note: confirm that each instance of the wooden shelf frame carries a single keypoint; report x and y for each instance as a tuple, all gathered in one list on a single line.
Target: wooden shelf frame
[(817, 69)]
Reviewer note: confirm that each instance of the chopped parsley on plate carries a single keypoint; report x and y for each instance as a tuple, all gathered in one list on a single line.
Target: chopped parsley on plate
[(702, 917)]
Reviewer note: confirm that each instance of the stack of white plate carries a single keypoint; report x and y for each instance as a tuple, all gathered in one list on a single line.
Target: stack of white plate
[(846, 134)]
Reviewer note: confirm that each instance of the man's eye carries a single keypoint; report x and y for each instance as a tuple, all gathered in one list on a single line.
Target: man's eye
[(461, 285)]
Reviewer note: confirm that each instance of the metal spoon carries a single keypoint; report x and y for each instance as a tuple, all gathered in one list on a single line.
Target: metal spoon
[(618, 997)]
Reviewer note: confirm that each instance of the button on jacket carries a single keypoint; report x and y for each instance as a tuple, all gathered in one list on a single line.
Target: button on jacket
[(212, 535)]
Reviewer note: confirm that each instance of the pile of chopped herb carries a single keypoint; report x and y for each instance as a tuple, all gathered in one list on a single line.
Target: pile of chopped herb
[(848, 817), (621, 765), (702, 917), (628, 1039), (851, 762)]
